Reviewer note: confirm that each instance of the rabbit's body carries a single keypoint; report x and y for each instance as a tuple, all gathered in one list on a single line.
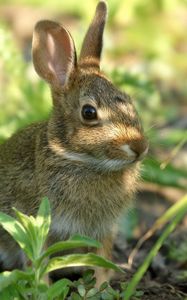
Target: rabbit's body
[(17, 171), (85, 157), (84, 200), (86, 196)]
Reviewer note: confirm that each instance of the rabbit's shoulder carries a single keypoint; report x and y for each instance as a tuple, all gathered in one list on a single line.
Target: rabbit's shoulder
[(21, 145)]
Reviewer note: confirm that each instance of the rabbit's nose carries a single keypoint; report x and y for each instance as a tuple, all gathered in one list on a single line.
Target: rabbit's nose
[(139, 147), (136, 149)]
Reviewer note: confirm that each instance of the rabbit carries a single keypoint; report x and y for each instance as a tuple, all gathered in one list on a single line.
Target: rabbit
[(85, 158)]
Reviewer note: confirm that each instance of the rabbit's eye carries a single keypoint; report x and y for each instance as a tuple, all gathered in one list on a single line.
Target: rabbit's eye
[(89, 112)]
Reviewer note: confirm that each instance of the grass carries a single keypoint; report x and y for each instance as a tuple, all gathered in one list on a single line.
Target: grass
[(179, 210)]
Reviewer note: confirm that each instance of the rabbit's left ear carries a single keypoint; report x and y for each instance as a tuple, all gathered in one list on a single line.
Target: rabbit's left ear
[(54, 54), (93, 41)]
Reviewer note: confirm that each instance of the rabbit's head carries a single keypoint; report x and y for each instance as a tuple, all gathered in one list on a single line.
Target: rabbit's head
[(92, 123)]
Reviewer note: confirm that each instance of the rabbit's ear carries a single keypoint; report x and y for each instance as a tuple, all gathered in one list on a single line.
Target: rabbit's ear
[(53, 50), (92, 44)]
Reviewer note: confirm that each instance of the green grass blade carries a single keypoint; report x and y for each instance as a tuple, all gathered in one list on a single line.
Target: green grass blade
[(170, 176), (166, 217), (172, 211), (143, 268)]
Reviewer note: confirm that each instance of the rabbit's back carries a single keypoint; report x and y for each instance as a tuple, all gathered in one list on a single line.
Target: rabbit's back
[(17, 165)]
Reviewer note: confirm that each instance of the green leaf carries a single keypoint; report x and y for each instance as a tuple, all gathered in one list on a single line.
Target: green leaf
[(10, 294), (111, 291), (88, 275), (43, 220), (17, 231), (31, 230), (59, 288), (81, 289), (75, 260), (9, 278), (92, 292), (85, 239), (36, 228), (23, 219), (107, 296), (73, 243), (103, 286), (139, 293), (75, 296), (42, 287)]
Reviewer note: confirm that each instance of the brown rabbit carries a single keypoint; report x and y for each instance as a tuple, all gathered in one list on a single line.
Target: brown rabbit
[(85, 158)]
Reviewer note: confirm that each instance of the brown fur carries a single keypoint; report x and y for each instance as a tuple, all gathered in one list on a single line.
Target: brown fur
[(66, 158)]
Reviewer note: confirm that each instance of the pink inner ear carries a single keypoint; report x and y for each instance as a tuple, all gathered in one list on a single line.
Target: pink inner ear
[(60, 55), (53, 53)]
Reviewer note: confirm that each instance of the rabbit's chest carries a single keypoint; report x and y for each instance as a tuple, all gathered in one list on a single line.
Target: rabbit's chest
[(87, 207)]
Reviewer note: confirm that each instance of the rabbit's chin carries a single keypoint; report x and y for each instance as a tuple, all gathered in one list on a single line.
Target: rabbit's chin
[(103, 164)]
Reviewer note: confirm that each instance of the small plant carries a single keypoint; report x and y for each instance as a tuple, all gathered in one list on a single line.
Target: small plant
[(31, 233)]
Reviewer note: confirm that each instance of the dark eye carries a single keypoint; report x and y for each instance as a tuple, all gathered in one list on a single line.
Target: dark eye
[(89, 112)]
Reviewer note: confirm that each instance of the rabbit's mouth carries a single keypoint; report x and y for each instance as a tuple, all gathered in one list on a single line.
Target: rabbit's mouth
[(122, 159), (99, 164)]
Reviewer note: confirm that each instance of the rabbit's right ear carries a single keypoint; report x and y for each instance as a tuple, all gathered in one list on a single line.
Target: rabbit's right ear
[(54, 55)]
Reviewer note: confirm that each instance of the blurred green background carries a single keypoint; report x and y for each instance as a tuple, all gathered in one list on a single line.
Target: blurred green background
[(145, 54)]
